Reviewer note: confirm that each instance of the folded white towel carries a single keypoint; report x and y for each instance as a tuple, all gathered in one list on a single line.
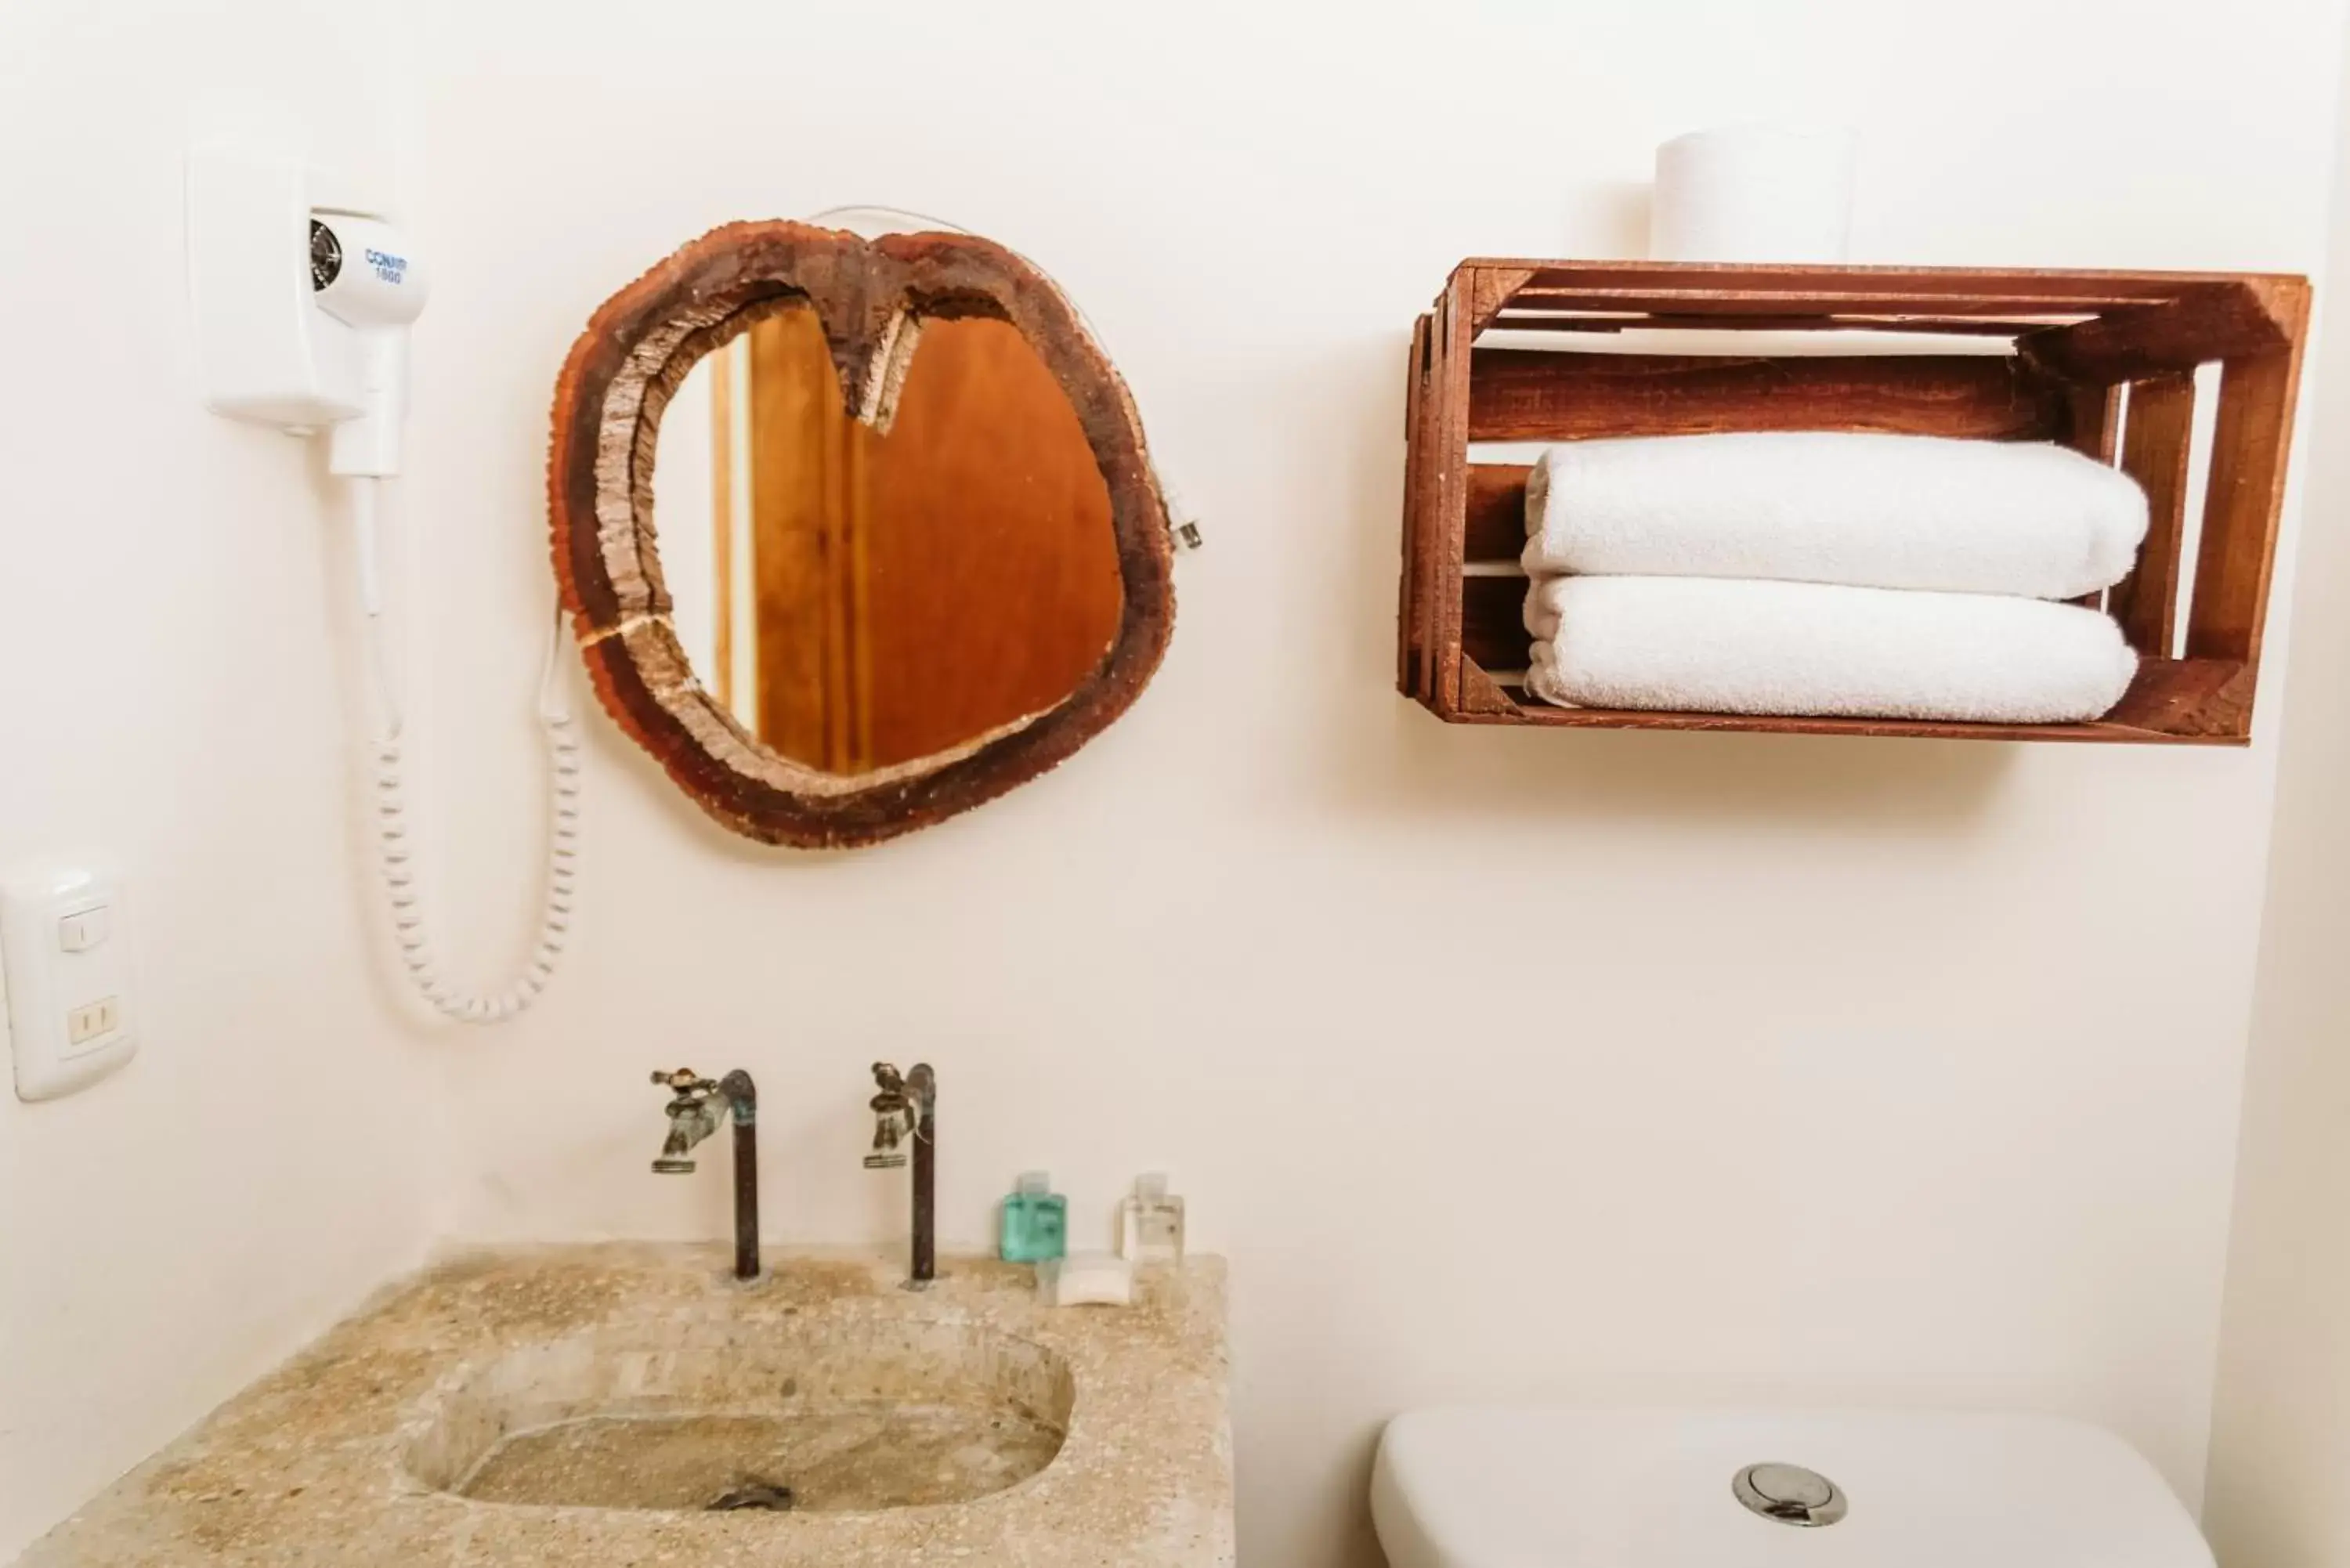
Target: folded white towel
[(1874, 511), (1721, 646)]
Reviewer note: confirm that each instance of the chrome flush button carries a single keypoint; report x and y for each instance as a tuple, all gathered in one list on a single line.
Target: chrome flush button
[(1790, 1494)]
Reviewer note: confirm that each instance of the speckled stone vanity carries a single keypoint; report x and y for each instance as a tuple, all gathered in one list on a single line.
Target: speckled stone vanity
[(606, 1387)]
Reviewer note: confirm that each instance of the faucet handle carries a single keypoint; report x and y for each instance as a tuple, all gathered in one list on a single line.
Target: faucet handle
[(889, 1129), (683, 1082), (892, 1115)]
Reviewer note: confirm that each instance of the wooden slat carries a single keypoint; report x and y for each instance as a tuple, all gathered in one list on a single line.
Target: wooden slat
[(1411, 588), (1739, 277), (1481, 694), (2155, 451), (2174, 702), (1531, 394), (1450, 484), (1518, 319), (1819, 300), (1430, 588), (2095, 415), (1496, 529), (2250, 445), (2211, 321), (1491, 289)]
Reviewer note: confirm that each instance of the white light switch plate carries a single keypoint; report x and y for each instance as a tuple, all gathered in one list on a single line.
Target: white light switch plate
[(65, 979)]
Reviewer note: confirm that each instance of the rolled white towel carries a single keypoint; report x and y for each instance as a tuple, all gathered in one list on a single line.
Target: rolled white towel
[(1721, 646), (1872, 511)]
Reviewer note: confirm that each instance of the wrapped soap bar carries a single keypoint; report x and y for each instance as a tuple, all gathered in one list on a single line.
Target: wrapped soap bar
[(1086, 1279)]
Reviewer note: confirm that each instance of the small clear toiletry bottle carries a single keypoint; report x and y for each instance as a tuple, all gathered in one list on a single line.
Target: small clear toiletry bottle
[(1036, 1220), (1151, 1222)]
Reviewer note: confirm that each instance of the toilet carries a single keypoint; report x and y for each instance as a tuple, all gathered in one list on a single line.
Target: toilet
[(1562, 1488)]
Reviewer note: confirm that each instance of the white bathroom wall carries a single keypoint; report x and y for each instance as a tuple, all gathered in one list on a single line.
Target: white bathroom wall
[(1504, 1065), (2281, 1431), (173, 697)]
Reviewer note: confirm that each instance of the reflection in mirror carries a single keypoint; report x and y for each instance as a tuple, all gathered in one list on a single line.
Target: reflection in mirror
[(859, 599)]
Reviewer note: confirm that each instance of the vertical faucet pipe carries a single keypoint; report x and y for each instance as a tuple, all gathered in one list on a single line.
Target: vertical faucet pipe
[(743, 1099), (922, 1088)]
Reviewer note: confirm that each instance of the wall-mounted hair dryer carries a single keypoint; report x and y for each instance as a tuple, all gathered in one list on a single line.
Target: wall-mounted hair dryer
[(284, 295), (366, 275), (303, 298)]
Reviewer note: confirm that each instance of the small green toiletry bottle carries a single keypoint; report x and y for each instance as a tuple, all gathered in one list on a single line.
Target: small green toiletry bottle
[(1036, 1220)]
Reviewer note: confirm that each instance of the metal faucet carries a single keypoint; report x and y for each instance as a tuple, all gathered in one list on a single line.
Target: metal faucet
[(908, 1105), (692, 1116)]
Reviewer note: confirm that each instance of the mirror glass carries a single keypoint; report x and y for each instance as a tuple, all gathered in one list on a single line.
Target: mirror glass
[(859, 598)]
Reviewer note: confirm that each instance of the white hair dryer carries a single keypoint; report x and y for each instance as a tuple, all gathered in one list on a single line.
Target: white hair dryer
[(303, 307), (366, 275)]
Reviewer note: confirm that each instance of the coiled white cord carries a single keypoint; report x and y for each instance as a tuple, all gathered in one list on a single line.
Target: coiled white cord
[(396, 850)]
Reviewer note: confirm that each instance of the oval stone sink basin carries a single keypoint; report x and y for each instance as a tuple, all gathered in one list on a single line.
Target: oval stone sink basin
[(827, 1413), (587, 1406)]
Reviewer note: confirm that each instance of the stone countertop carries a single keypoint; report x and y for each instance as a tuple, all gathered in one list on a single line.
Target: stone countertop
[(311, 1466)]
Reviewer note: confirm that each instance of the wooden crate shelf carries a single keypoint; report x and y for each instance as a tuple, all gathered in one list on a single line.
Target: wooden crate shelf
[(2079, 338)]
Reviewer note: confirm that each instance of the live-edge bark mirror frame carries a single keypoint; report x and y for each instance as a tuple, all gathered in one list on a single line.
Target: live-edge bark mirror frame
[(871, 297)]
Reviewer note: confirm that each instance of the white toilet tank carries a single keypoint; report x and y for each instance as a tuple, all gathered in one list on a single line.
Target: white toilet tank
[(1495, 1487)]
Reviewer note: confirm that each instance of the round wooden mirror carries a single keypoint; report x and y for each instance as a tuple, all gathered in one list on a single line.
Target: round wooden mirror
[(910, 551)]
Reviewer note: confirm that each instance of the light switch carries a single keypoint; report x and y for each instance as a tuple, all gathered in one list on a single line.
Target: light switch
[(66, 983), (84, 930)]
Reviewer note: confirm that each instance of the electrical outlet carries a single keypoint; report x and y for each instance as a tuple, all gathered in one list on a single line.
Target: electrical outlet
[(93, 1022), (65, 945)]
